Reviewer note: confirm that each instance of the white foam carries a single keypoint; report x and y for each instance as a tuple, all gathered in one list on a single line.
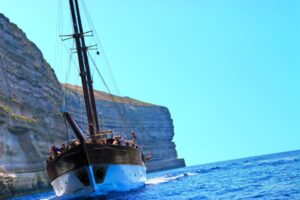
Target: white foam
[(52, 197), (287, 159), (191, 174), (168, 178)]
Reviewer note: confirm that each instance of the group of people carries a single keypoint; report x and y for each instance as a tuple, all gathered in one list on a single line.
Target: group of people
[(56, 151), (117, 140), (109, 139)]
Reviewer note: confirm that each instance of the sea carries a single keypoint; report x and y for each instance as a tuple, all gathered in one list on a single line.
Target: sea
[(274, 176)]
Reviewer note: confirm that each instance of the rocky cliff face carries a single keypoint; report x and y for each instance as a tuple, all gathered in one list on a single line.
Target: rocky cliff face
[(29, 110), (30, 120)]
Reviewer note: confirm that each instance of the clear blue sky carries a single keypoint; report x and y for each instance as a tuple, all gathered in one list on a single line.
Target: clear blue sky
[(228, 70)]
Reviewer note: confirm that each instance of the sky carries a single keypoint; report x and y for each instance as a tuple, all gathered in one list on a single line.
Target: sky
[(227, 70)]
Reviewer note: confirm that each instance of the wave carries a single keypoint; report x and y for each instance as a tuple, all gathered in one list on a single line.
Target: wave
[(50, 198), (210, 169), (40, 196), (169, 177), (273, 162), (172, 177)]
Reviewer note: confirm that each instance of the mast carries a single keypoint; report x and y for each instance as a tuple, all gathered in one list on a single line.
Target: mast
[(87, 84), (87, 65)]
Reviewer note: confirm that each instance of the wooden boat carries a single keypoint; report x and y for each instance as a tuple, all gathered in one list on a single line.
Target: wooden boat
[(93, 164)]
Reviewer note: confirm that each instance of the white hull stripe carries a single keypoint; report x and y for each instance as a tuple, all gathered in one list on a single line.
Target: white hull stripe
[(99, 179)]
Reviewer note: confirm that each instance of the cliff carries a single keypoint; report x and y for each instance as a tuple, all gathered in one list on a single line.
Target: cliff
[(29, 111), (30, 118)]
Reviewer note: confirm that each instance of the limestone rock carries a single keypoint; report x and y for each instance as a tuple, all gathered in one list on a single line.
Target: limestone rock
[(29, 95)]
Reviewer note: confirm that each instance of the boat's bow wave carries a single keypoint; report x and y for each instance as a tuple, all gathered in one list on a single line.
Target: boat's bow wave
[(169, 177)]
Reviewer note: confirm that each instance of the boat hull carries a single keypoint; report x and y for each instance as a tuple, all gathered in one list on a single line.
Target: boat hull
[(112, 178), (95, 169)]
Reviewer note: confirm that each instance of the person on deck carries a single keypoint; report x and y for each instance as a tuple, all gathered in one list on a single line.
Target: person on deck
[(117, 141), (52, 151), (63, 148), (133, 136), (55, 151), (110, 139), (102, 141)]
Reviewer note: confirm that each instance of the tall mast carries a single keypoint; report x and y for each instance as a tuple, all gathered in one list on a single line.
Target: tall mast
[(85, 74), (87, 65)]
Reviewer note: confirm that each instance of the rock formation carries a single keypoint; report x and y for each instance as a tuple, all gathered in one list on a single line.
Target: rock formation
[(29, 109), (30, 118)]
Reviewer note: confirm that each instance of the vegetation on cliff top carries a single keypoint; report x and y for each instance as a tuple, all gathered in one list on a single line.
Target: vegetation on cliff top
[(99, 95)]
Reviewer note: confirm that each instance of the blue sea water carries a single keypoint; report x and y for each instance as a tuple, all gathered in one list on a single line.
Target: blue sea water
[(275, 176)]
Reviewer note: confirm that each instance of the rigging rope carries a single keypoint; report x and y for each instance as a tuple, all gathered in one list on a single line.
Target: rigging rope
[(97, 41), (124, 115)]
